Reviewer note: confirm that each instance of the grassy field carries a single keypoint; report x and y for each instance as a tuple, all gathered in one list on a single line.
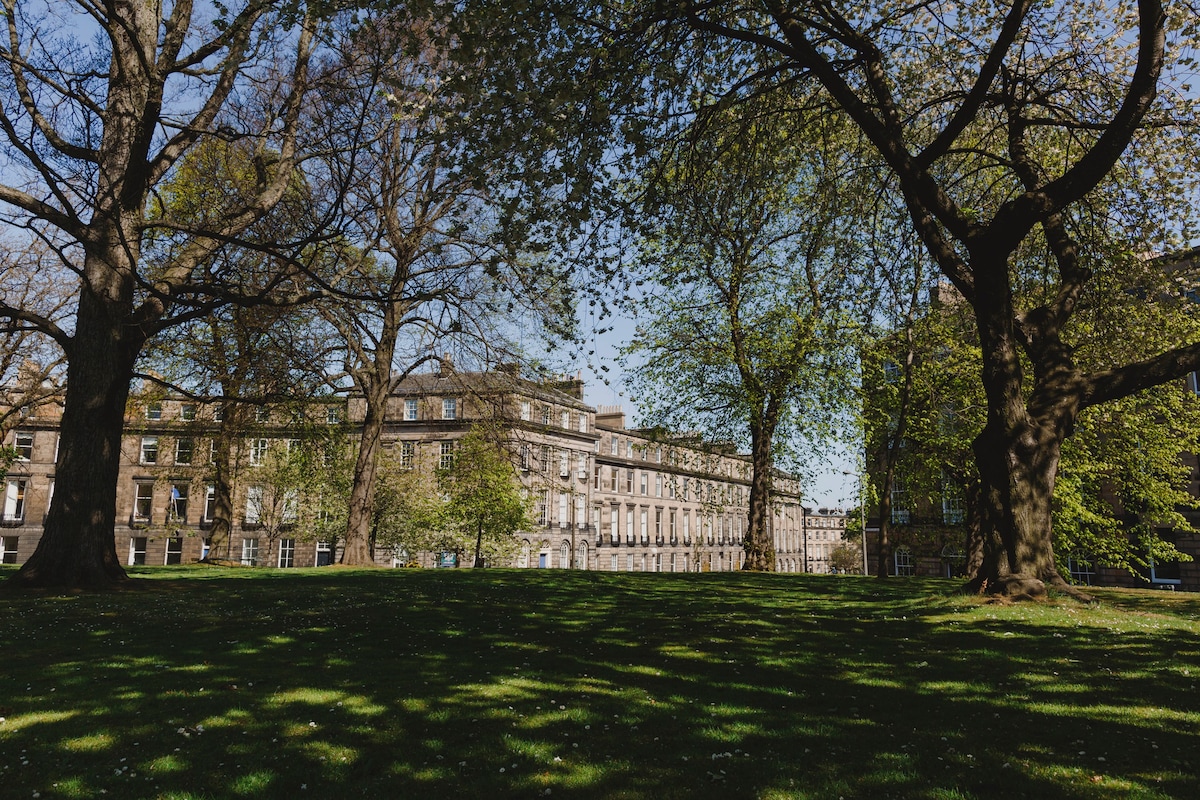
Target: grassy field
[(238, 683)]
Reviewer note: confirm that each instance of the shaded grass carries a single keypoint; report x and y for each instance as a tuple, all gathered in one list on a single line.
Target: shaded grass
[(231, 683)]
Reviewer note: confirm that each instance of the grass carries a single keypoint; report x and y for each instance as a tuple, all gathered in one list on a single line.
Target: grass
[(238, 683)]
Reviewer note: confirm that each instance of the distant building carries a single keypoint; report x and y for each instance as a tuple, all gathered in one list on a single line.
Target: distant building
[(606, 497)]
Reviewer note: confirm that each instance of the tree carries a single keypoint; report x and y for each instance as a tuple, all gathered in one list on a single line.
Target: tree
[(752, 250), (1033, 150), (425, 275), (484, 500), (91, 129)]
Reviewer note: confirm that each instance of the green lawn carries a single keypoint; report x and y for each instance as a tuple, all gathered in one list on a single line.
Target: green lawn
[(230, 683)]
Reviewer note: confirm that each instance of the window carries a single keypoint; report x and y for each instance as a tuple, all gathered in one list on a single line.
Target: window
[(687, 489), (671, 523), (143, 499), (523, 557), (23, 443), (563, 519), (526, 415), (658, 481), (1082, 566), (904, 561), (332, 415), (210, 503), (219, 413), (262, 414), (179, 502), (254, 505), (583, 422), (644, 483), (14, 500), (900, 514), (250, 551), (153, 412), (629, 526), (137, 550), (174, 550), (614, 521), (289, 511), (8, 549), (628, 481), (687, 535), (258, 451), (564, 418), (629, 448), (544, 458), (564, 463), (615, 446), (564, 554), (581, 465), (643, 528), (324, 554), (953, 510), (446, 457), (596, 476), (408, 453), (183, 450), (658, 454), (287, 553), (580, 516), (544, 508), (658, 525), (213, 451), (187, 412), (614, 563)]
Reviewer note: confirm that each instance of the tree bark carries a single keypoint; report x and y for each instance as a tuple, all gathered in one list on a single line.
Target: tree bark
[(78, 546), (759, 545), (357, 549)]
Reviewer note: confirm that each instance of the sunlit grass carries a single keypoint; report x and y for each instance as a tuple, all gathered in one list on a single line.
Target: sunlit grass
[(231, 683)]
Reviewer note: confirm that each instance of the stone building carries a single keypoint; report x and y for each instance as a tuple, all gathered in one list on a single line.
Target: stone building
[(606, 497)]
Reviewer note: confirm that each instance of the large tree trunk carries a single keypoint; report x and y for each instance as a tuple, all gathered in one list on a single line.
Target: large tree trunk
[(759, 544), (1017, 473), (77, 548)]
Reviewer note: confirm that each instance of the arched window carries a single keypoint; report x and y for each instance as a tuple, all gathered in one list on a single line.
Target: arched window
[(581, 555), (904, 561), (523, 557), (564, 554)]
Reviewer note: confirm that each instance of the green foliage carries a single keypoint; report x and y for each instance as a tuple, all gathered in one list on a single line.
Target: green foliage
[(1124, 481), (305, 483), (484, 500), (747, 244)]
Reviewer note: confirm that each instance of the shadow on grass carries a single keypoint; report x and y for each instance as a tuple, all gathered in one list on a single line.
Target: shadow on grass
[(246, 683)]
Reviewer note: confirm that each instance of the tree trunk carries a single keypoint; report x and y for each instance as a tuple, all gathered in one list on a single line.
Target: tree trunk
[(759, 545), (78, 548), (479, 547), (1017, 474), (357, 550)]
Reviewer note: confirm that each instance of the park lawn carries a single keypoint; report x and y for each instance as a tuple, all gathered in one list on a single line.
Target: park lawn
[(209, 682)]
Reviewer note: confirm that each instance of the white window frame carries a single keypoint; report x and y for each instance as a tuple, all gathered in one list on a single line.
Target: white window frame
[(143, 501), (449, 408), (180, 457), (287, 553), (15, 496), (258, 451), (148, 454), (249, 551)]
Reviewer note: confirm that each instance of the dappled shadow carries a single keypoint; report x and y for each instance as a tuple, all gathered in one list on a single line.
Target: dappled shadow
[(506, 684)]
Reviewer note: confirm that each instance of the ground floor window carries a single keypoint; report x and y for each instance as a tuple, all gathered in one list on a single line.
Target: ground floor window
[(8, 549), (324, 554), (137, 550), (1081, 567), (287, 553), (174, 550), (904, 561), (14, 500), (616, 563), (250, 551)]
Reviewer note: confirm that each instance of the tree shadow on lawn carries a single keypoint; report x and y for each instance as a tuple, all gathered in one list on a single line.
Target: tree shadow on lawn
[(506, 684)]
